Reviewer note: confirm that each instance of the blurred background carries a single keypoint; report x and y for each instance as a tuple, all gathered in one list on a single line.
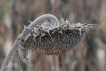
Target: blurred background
[(89, 55)]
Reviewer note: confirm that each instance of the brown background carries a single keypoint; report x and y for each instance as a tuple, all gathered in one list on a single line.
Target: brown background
[(90, 55)]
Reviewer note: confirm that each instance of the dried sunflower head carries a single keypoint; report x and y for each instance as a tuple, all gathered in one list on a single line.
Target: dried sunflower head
[(51, 40)]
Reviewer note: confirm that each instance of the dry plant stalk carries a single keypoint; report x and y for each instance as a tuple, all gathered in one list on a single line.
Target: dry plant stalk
[(48, 36)]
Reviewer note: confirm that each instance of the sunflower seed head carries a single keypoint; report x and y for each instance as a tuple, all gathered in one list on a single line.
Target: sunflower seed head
[(50, 39)]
